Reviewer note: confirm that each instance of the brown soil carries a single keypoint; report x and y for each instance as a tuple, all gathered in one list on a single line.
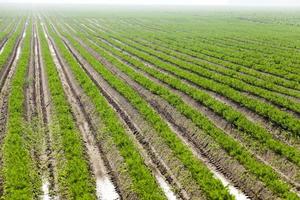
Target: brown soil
[(43, 106)]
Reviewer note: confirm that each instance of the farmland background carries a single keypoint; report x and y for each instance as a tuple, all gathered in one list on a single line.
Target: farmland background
[(149, 102)]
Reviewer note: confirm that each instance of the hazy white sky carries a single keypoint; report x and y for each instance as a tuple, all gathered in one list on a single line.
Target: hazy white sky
[(176, 2)]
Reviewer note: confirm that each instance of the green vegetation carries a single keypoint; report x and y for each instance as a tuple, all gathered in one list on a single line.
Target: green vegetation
[(144, 183), (232, 116), (19, 172), (172, 97), (282, 118), (74, 175), (236, 150), (11, 43)]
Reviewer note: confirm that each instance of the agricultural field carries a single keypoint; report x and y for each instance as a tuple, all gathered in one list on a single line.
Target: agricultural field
[(149, 104)]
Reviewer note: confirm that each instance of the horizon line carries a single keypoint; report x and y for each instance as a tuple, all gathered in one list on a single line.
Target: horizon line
[(151, 4)]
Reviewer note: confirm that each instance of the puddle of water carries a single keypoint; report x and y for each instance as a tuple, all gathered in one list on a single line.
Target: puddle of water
[(238, 194), (232, 190), (18, 53), (45, 189), (2, 49), (105, 189), (167, 190)]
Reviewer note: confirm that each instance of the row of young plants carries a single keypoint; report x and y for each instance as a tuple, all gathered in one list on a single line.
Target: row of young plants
[(285, 120), (246, 123), (10, 44), (266, 94), (241, 52), (234, 57), (193, 42), (143, 182), (5, 29), (5, 24), (264, 54), (286, 54), (169, 44), (258, 58), (211, 187), (74, 177), (240, 61), (263, 42), (21, 180), (270, 79), (231, 146), (227, 112), (224, 71), (211, 25), (282, 42), (265, 173), (220, 76)]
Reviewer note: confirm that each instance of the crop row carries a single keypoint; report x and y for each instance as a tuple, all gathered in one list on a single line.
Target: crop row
[(74, 177), (238, 67), (210, 186), (178, 47), (230, 145), (273, 55), (224, 71), (222, 76), (20, 176), (223, 110), (143, 182), (256, 58), (192, 40), (8, 51), (279, 117), (4, 32)]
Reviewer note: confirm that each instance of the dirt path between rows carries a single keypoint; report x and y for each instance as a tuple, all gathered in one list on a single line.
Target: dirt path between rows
[(41, 117), (6, 38)]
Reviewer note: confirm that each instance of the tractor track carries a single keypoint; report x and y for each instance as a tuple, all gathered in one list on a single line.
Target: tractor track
[(41, 96)]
